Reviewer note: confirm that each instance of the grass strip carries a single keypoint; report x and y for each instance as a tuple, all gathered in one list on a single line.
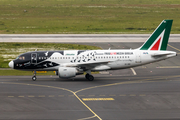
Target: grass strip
[(22, 73), (10, 72), (86, 16)]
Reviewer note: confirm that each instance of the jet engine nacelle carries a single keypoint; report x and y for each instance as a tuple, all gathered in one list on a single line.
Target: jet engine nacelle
[(67, 72)]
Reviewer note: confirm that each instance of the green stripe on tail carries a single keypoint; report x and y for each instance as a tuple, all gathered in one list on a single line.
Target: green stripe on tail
[(165, 25)]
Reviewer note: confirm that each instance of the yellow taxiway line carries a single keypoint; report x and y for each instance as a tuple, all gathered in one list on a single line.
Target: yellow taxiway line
[(97, 99), (168, 67), (75, 93), (173, 47)]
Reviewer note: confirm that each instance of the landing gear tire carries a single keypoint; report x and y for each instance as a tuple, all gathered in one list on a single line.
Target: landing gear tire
[(34, 78), (89, 77)]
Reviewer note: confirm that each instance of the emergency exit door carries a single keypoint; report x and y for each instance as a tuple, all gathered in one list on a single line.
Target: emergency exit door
[(138, 57)]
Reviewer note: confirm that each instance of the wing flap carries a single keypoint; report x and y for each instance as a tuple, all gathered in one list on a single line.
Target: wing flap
[(91, 65)]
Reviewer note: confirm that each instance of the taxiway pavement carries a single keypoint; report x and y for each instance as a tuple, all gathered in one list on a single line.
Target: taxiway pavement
[(153, 93)]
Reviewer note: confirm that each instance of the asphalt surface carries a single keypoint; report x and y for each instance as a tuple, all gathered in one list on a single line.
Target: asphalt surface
[(78, 38), (151, 92)]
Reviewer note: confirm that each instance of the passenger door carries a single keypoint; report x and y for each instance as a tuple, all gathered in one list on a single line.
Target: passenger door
[(34, 58)]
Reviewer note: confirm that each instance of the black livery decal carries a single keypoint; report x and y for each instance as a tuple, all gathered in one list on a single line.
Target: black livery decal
[(84, 56), (41, 59), (80, 51), (35, 60), (46, 64), (28, 65)]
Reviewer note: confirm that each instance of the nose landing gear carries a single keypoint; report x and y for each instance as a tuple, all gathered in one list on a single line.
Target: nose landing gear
[(34, 76)]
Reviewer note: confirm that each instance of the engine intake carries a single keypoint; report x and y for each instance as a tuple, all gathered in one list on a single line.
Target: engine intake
[(67, 72)]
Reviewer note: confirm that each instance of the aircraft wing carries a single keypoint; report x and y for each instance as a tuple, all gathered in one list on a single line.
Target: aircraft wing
[(91, 65)]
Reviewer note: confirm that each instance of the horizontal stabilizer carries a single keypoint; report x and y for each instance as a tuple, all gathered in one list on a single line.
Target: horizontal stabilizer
[(160, 54)]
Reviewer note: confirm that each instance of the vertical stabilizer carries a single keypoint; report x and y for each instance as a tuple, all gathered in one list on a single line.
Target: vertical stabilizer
[(159, 38)]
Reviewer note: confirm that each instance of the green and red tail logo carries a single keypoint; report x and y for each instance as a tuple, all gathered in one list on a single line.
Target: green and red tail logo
[(159, 38)]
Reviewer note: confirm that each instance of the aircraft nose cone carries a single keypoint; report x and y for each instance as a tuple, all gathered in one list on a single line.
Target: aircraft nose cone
[(11, 64)]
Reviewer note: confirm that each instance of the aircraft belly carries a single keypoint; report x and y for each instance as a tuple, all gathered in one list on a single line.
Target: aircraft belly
[(101, 68), (121, 64)]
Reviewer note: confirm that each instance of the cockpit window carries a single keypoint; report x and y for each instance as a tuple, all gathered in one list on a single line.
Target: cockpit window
[(21, 58)]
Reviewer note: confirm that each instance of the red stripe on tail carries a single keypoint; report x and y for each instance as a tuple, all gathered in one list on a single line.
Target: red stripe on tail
[(156, 45)]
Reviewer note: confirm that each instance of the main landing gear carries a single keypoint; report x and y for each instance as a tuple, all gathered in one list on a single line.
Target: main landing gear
[(34, 76), (89, 77)]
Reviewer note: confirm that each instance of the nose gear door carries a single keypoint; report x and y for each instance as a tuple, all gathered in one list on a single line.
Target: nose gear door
[(34, 58)]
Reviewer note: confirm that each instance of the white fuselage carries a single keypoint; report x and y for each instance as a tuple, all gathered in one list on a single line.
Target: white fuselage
[(99, 60)]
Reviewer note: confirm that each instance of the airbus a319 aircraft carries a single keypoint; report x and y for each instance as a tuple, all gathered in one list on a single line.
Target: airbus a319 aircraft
[(69, 63)]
